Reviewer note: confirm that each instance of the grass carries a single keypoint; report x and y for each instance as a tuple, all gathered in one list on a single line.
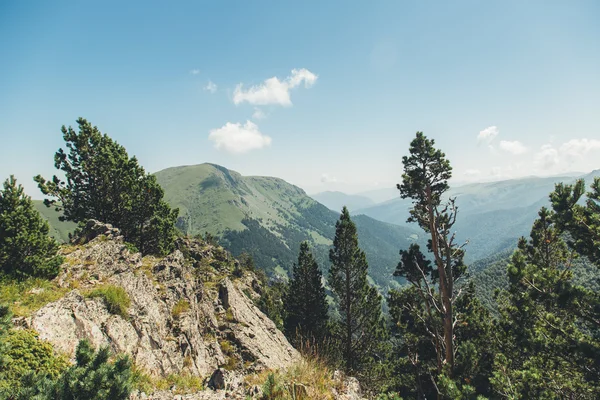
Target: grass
[(180, 307), (181, 384), (115, 298), (228, 349), (26, 297), (306, 379), (229, 316)]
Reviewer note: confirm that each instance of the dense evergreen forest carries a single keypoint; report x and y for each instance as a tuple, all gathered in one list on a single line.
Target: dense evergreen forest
[(525, 327)]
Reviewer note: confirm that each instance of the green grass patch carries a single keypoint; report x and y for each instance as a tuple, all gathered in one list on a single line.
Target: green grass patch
[(180, 307), (181, 384), (26, 297), (115, 298), (229, 350)]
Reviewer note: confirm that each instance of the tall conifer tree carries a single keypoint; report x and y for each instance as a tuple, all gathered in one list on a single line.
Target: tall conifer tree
[(361, 328), (425, 181), (550, 346), (25, 247), (305, 302)]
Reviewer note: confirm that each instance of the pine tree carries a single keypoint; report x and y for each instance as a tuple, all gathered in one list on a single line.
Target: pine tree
[(360, 329), (582, 221), (549, 347), (305, 302), (104, 183), (25, 247), (93, 377), (425, 180)]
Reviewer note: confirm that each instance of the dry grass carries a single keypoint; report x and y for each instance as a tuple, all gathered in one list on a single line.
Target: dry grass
[(306, 379), (179, 384)]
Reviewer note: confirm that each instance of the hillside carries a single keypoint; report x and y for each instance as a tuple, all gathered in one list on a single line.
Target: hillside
[(492, 215), (268, 218), (58, 229), (489, 274), (336, 200)]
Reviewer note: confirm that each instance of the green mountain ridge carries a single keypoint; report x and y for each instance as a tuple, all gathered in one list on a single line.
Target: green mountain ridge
[(491, 215), (269, 218), (59, 230)]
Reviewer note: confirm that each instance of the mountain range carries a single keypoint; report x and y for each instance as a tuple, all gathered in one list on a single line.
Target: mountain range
[(269, 218), (491, 215)]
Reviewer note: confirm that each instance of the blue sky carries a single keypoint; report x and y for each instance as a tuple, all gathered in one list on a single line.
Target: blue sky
[(507, 88)]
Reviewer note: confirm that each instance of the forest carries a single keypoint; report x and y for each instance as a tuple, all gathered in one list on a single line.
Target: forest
[(529, 328)]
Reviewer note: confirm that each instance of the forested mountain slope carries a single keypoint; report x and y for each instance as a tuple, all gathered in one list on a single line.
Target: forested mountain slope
[(269, 218), (492, 215), (58, 229)]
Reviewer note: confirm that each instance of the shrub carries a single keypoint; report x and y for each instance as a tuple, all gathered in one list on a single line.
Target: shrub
[(24, 353), (115, 298), (93, 377)]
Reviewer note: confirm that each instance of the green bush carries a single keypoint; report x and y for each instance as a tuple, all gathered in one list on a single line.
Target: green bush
[(115, 297), (93, 377), (24, 353)]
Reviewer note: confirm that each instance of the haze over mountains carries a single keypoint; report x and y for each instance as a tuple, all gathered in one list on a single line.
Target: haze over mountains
[(269, 218), (492, 215)]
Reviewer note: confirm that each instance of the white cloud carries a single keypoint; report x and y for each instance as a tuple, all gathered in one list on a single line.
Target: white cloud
[(496, 171), (572, 154), (211, 87), (258, 114), (472, 172), (274, 91), (577, 148), (547, 157), (488, 134), (195, 71), (326, 178), (237, 138), (514, 147)]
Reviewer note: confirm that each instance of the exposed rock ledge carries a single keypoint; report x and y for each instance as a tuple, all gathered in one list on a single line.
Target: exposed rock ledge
[(217, 311), (217, 326)]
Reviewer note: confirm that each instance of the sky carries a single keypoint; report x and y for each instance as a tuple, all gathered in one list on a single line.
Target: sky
[(326, 95)]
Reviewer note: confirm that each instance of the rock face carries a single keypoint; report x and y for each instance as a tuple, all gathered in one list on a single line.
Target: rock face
[(184, 318), (254, 332)]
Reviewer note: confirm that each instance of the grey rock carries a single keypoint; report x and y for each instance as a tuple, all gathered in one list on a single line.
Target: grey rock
[(217, 379), (158, 341)]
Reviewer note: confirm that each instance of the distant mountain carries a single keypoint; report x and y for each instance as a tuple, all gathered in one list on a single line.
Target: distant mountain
[(59, 230), (268, 218), (381, 195), (336, 200), (492, 215)]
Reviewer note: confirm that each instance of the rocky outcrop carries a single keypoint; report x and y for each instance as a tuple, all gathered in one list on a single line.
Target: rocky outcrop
[(184, 318), (190, 313), (253, 332)]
